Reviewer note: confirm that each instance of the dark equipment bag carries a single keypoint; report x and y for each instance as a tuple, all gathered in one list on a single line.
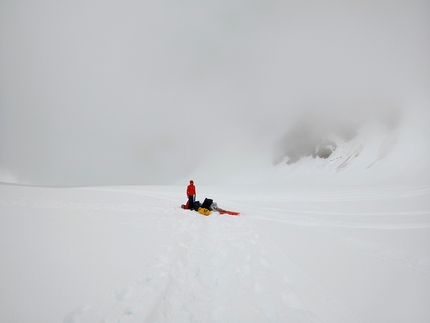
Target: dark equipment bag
[(196, 205), (207, 203)]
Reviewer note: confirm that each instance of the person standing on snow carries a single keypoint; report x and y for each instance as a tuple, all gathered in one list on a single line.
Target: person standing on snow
[(191, 194)]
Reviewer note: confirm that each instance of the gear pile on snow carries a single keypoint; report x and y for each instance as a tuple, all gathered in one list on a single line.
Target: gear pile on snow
[(207, 206)]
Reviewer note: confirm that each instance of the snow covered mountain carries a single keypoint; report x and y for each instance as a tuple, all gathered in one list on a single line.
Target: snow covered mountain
[(333, 154), (374, 150), (318, 139)]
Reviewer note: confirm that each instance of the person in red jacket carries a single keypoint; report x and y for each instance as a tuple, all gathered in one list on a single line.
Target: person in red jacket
[(191, 194)]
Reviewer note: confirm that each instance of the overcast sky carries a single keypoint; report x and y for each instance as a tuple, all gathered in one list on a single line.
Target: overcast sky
[(141, 92)]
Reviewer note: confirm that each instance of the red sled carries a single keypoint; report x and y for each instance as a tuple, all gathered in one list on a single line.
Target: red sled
[(221, 211), (229, 213)]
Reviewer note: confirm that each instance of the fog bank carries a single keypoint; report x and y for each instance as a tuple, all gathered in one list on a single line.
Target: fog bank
[(114, 92)]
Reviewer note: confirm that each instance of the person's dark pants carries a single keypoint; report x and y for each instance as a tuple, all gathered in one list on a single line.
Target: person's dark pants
[(191, 202)]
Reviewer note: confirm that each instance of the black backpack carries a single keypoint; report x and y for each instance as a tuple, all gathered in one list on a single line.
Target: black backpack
[(207, 203)]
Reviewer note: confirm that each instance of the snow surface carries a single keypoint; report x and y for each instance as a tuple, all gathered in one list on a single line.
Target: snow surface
[(131, 254), (315, 242)]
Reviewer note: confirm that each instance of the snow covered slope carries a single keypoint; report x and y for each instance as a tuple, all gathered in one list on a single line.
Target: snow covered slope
[(131, 254), (376, 155)]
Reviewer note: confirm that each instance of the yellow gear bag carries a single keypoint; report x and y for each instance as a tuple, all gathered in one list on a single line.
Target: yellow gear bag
[(204, 211)]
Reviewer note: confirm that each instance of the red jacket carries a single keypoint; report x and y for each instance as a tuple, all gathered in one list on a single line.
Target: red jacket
[(191, 190)]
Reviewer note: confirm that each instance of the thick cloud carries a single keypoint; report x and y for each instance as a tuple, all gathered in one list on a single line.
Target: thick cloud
[(98, 92)]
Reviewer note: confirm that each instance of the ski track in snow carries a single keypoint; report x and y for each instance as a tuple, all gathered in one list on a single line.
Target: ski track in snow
[(205, 276), (299, 217), (370, 249)]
